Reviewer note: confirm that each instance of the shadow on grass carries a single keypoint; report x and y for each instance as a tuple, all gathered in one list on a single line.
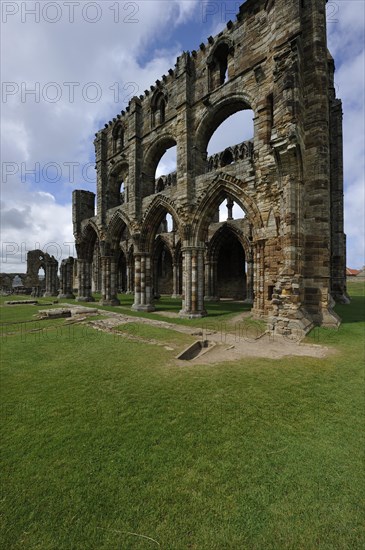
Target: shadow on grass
[(173, 305), (353, 312)]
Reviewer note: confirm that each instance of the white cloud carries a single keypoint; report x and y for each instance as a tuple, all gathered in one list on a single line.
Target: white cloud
[(346, 43), (108, 53), (32, 220), (45, 57)]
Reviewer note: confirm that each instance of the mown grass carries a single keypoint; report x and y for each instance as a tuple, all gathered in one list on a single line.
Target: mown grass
[(103, 437), (159, 334)]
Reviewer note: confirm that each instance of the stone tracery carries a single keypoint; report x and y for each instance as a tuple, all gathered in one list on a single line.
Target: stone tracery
[(288, 179)]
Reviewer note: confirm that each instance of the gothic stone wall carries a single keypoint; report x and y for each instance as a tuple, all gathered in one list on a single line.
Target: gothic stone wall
[(274, 60)]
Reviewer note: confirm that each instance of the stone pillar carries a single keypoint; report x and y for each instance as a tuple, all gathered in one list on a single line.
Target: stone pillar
[(230, 204), (130, 277), (66, 279), (142, 283), (175, 280), (200, 283), (156, 293), (109, 282), (84, 281), (250, 282), (193, 282), (258, 278), (51, 277), (211, 281)]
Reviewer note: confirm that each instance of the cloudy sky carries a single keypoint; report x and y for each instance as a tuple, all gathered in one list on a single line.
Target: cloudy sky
[(67, 67)]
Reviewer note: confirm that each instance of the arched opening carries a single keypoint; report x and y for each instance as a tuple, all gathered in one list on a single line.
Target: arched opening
[(230, 210), (235, 129), (227, 158), (161, 239), (170, 223), (158, 109), (231, 267), (160, 185), (118, 138), (225, 135), (219, 66), (228, 274), (159, 169), (42, 277), (118, 244), (163, 269), (118, 188), (16, 284), (89, 249), (168, 162)]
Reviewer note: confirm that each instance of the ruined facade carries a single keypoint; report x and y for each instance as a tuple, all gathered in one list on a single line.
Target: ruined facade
[(36, 260), (288, 252)]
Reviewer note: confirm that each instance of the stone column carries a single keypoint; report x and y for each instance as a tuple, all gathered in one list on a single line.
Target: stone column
[(130, 277), (200, 284), (137, 281), (206, 279), (230, 204), (109, 282), (156, 293), (142, 283), (250, 282), (193, 282), (175, 280), (51, 277), (258, 289), (176, 277), (66, 279), (84, 281), (211, 281)]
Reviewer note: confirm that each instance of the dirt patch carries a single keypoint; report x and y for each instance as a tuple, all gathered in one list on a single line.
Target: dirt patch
[(228, 344), (268, 347)]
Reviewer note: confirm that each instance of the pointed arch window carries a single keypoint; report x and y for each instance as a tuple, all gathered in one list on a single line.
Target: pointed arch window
[(218, 64), (158, 109), (118, 138)]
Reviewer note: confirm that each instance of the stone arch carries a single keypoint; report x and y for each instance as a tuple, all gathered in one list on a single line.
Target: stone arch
[(228, 253), (215, 115), (117, 224), (165, 242), (118, 137), (218, 63), (227, 157), (36, 260), (159, 207), (223, 186), (158, 108), (117, 175), (163, 259), (215, 240), (87, 240), (151, 159)]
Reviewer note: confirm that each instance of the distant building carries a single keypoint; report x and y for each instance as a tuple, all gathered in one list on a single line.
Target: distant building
[(351, 273), (361, 274)]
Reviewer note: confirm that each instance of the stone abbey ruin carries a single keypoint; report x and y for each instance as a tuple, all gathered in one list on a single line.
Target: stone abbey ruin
[(287, 254)]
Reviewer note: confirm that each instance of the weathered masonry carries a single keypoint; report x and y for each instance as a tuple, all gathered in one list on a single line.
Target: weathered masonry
[(287, 254)]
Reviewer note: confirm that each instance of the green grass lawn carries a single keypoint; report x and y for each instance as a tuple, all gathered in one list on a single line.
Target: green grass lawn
[(107, 444)]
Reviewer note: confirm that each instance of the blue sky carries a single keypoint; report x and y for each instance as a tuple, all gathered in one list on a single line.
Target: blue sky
[(83, 68)]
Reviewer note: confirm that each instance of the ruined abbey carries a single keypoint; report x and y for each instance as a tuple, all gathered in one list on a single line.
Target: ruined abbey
[(286, 255)]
